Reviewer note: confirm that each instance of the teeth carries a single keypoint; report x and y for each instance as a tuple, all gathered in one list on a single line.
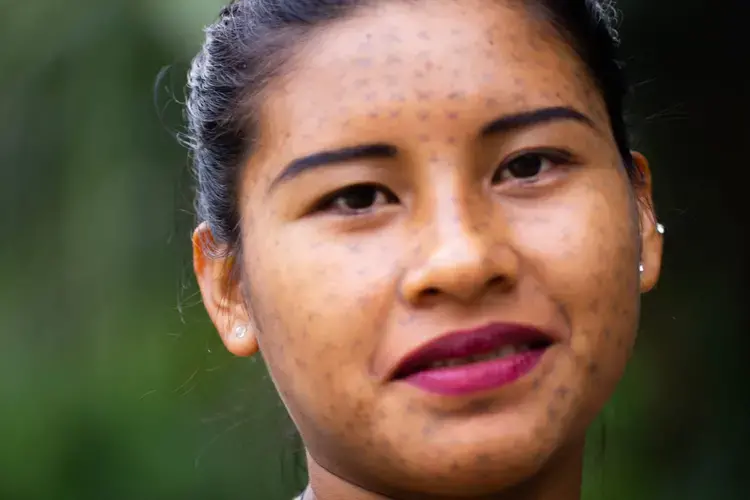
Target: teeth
[(507, 351), (504, 352)]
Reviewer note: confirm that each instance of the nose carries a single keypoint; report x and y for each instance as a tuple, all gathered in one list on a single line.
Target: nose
[(461, 258)]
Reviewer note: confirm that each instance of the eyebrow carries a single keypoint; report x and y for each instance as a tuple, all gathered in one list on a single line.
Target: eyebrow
[(385, 151), (335, 156), (535, 117)]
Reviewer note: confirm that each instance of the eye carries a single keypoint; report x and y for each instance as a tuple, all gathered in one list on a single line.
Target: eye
[(357, 199), (529, 166)]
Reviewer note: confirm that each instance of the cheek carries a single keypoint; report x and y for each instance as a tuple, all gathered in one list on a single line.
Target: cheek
[(584, 252), (320, 304), (577, 236)]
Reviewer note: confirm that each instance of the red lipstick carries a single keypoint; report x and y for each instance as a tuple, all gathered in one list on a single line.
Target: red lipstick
[(470, 361)]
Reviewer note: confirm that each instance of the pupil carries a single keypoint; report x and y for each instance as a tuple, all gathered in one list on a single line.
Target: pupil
[(526, 166), (360, 197)]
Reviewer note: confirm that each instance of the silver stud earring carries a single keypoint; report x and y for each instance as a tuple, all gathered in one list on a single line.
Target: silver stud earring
[(660, 228), (240, 331), (641, 268)]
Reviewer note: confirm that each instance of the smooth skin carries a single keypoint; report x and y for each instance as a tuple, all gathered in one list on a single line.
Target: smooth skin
[(453, 226)]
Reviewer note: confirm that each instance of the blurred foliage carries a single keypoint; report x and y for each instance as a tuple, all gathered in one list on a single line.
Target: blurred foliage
[(113, 383)]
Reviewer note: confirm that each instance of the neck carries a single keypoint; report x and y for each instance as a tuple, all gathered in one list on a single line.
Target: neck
[(559, 479)]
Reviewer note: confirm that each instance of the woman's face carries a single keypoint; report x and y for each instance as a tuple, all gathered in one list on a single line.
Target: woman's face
[(469, 179)]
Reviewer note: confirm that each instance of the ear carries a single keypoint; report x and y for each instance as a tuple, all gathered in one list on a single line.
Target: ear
[(222, 294), (652, 239)]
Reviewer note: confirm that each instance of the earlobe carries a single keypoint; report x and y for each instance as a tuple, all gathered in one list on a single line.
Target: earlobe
[(222, 295), (652, 231), (242, 341)]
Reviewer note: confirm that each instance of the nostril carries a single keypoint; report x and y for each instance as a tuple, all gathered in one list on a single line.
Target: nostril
[(496, 281), (431, 292)]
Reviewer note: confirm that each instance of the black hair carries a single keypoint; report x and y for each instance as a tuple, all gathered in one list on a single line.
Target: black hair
[(251, 41)]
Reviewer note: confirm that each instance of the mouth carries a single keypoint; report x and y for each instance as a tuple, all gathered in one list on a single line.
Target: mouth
[(474, 360)]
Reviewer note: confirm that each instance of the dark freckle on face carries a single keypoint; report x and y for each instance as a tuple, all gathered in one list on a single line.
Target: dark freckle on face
[(551, 413), (430, 429), (395, 113), (406, 321), (452, 115), (393, 59), (423, 115), (424, 138), (361, 82), (392, 36), (424, 35), (455, 31), (593, 368), (429, 65), (423, 96), (456, 96), (451, 140), (536, 383), (491, 102), (419, 74), (373, 114), (562, 392)]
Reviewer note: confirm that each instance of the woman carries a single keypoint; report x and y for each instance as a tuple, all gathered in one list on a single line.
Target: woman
[(426, 217)]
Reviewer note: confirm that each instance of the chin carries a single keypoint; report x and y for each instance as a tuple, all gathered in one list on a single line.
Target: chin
[(478, 477), (475, 469)]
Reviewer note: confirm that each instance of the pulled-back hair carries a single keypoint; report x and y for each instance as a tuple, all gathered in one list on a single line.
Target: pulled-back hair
[(252, 40)]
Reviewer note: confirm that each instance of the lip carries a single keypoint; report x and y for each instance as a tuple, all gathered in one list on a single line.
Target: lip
[(480, 375)]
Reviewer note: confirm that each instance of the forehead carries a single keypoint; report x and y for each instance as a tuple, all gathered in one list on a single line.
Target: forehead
[(470, 56)]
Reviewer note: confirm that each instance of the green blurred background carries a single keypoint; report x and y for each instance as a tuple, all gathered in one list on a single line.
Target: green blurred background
[(113, 384)]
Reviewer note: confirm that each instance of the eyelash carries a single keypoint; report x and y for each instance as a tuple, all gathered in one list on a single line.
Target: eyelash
[(557, 158), (382, 194), (328, 204)]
